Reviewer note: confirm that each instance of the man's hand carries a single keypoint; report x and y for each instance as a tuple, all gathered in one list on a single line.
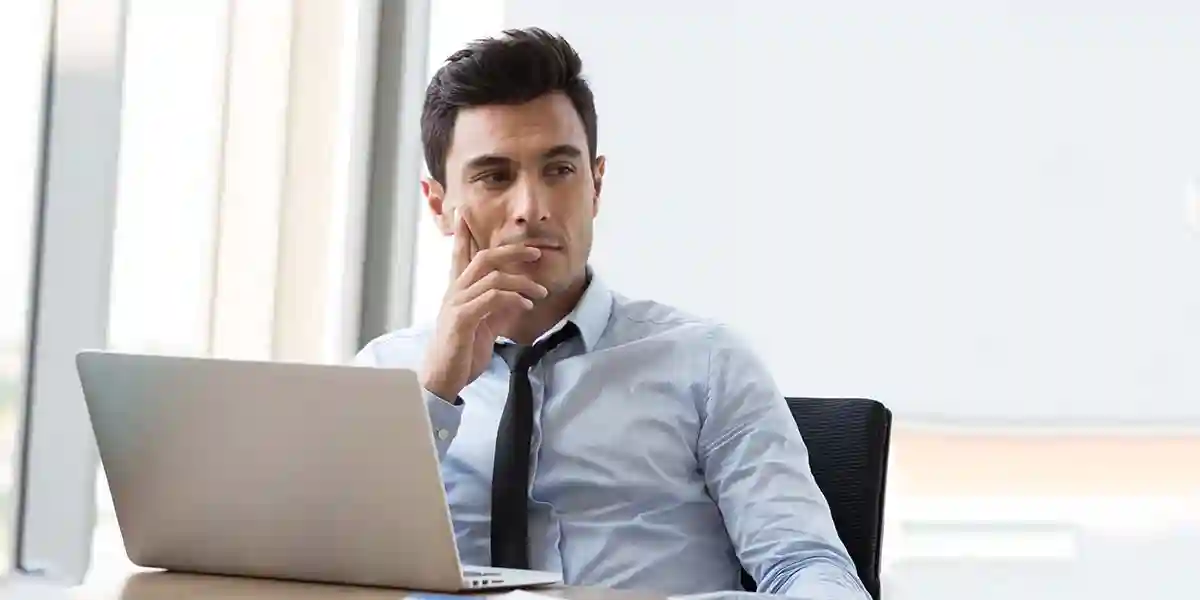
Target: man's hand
[(481, 299)]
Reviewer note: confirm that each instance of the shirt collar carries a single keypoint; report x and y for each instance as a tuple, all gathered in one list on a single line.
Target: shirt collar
[(590, 315)]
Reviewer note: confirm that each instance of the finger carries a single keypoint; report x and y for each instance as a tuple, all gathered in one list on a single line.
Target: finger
[(463, 244), (499, 280), (496, 259), (491, 301)]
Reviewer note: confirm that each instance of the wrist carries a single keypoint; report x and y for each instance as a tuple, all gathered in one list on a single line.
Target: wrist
[(441, 388)]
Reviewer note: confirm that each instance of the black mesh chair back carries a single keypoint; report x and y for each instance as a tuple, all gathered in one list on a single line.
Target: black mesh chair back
[(847, 440)]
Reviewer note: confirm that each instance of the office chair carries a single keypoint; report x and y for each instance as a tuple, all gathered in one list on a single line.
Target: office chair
[(847, 442)]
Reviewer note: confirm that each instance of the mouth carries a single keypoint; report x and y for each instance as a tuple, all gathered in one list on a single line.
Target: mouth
[(544, 246)]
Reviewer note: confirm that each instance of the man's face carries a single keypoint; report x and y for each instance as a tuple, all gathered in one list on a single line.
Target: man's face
[(522, 174)]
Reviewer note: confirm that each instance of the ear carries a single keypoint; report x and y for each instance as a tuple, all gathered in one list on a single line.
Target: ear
[(435, 196), (598, 181)]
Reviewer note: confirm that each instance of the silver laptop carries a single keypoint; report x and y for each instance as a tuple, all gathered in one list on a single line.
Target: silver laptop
[(282, 470)]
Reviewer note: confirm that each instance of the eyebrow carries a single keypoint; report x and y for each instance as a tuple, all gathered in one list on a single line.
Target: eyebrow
[(485, 161), (562, 151)]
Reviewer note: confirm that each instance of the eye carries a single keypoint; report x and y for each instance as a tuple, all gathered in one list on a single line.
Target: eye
[(493, 179), (560, 169)]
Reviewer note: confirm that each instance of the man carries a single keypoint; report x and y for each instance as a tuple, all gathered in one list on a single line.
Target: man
[(622, 443)]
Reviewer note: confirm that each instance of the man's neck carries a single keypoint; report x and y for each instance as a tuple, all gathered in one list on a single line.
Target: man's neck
[(547, 313)]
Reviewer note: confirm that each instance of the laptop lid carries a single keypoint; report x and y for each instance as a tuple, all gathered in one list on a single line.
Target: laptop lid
[(294, 471)]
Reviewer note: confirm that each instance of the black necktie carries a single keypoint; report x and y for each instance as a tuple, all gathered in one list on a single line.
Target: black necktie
[(510, 471)]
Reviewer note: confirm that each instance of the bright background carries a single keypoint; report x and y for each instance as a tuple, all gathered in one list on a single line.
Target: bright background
[(984, 215)]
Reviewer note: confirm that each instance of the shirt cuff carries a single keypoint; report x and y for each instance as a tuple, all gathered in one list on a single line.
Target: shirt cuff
[(445, 417), (822, 580)]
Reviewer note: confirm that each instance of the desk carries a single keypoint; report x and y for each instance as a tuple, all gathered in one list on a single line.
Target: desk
[(158, 585)]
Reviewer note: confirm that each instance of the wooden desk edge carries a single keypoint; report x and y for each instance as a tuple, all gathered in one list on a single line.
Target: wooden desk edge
[(187, 586)]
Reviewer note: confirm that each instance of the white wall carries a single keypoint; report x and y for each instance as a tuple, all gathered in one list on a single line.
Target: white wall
[(972, 211)]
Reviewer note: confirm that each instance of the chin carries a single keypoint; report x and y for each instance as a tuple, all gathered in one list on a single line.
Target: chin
[(553, 271), (552, 277)]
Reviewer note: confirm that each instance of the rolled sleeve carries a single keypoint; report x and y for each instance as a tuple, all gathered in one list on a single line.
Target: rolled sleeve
[(756, 467)]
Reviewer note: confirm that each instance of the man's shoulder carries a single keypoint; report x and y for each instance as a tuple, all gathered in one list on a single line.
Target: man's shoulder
[(636, 320), (402, 348), (643, 318)]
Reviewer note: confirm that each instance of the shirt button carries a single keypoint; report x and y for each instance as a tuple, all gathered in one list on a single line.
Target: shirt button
[(443, 434)]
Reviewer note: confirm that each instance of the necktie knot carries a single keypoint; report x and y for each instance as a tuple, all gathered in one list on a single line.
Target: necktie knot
[(521, 358)]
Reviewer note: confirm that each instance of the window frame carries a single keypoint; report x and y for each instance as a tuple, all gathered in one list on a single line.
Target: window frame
[(56, 466), (325, 168)]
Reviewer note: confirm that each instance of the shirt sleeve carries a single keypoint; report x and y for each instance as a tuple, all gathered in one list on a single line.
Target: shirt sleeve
[(444, 415), (756, 467)]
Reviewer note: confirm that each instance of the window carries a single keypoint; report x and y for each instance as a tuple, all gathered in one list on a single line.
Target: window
[(204, 194), (23, 45), (240, 188), (167, 194)]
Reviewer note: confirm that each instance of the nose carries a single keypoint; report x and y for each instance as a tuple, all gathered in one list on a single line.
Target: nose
[(529, 204)]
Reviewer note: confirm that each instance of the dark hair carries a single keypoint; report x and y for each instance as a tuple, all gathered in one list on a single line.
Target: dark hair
[(515, 68)]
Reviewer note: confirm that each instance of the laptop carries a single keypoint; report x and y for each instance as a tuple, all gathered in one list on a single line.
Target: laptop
[(322, 473)]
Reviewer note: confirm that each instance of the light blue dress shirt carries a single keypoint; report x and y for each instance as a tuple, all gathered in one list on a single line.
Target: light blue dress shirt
[(664, 458)]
